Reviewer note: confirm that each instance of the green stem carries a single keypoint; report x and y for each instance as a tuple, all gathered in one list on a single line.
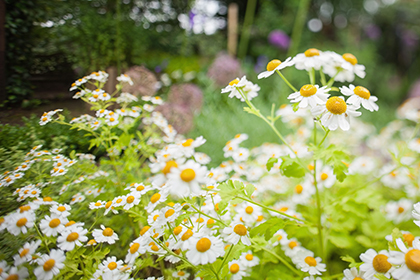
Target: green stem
[(286, 81), (283, 261), (249, 18), (318, 204), (323, 80), (272, 210), (225, 258), (312, 76), (214, 272), (325, 136), (42, 238), (300, 20), (202, 213)]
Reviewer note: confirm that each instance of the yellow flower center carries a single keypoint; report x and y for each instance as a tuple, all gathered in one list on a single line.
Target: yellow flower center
[(169, 213), (107, 232), (72, 237), (336, 105), (155, 198), (357, 278), (130, 199), (292, 244), (187, 175), (24, 252), (44, 119), (108, 204), (91, 242), (307, 90), (234, 82), (380, 263), (249, 257), (11, 276), (240, 230), (70, 223), (298, 189), (111, 119), (260, 218), (273, 64), (168, 166), (144, 230), (203, 245), (54, 223), (412, 260), (311, 52), (350, 58), (234, 268), (188, 142), (154, 247), (61, 208), (324, 176), (155, 217), (112, 265), (24, 208), (362, 92), (187, 235), (140, 188), (249, 210), (48, 265), (95, 96), (409, 238), (134, 248), (119, 200), (181, 273), (310, 261), (21, 222), (400, 209), (47, 198)]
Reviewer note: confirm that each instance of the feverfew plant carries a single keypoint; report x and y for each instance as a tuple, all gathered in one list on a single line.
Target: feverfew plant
[(328, 193)]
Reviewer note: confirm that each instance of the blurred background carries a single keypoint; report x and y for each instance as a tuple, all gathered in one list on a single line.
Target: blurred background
[(186, 51)]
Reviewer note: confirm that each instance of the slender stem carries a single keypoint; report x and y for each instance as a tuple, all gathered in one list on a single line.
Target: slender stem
[(325, 136), (225, 258), (42, 238), (318, 204), (214, 272), (331, 81), (286, 81), (312, 76), (283, 261), (322, 75), (272, 210)]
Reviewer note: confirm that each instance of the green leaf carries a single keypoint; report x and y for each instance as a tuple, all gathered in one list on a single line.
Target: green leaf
[(348, 259), (334, 156), (291, 168), (249, 190), (381, 276), (340, 240), (271, 162), (268, 228), (295, 107)]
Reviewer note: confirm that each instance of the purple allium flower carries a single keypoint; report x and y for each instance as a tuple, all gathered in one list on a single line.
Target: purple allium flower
[(179, 116), (187, 95), (144, 81), (224, 69), (279, 39)]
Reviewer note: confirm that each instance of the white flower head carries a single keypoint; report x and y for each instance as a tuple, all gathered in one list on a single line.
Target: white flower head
[(360, 95), (204, 250), (336, 113), (243, 86), (310, 95), (71, 237), (50, 264), (235, 233), (106, 235), (376, 263), (276, 65)]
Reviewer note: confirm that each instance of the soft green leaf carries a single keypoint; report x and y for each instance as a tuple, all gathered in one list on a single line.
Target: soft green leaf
[(291, 168), (268, 228), (271, 162), (340, 240)]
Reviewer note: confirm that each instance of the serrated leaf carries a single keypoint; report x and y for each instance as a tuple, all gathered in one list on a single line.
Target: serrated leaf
[(291, 168), (347, 258), (249, 189), (268, 228), (271, 162)]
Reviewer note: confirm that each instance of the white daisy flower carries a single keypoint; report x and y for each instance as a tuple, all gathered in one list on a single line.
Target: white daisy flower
[(336, 113), (105, 235), (238, 269), (202, 158), (183, 275), (205, 249), (124, 78), (280, 238), (96, 94), (187, 147), (311, 58), (52, 225), (350, 68), (20, 222), (362, 165), (399, 211), (236, 87), (104, 96), (248, 259), (111, 264), (236, 232), (186, 179), (156, 198), (50, 264), (376, 263), (310, 95), (407, 260), (275, 65), (15, 273), (248, 213), (305, 261), (351, 274), (137, 247), (61, 210), (148, 107), (126, 97), (71, 237), (132, 199), (25, 253), (360, 95), (240, 154)]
